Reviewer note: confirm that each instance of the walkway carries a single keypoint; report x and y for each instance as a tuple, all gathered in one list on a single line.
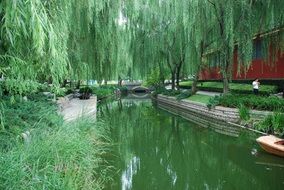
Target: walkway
[(75, 108), (208, 93)]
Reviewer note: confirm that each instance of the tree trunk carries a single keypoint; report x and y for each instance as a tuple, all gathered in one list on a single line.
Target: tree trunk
[(64, 83), (78, 84), (226, 77), (105, 82), (194, 83), (119, 81), (178, 76), (226, 88), (196, 77), (173, 80)]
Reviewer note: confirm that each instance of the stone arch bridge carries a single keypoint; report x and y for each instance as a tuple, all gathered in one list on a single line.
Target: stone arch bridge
[(136, 87)]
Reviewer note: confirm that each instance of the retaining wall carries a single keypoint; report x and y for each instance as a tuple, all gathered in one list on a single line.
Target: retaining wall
[(221, 119)]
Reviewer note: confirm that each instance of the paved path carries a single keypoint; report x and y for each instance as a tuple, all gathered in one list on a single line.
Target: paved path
[(75, 108), (208, 93)]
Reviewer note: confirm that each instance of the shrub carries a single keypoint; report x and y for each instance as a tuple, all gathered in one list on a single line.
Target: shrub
[(235, 87), (184, 94), (103, 92), (214, 101), (85, 92), (154, 78), (252, 102), (272, 124), (244, 112), (21, 116), (171, 92)]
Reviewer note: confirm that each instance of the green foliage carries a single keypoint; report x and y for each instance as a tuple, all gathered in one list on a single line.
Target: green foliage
[(234, 87), (200, 98), (171, 92), (22, 115), (244, 112), (103, 91), (57, 155), (154, 78), (159, 90), (272, 124), (184, 94), (65, 157), (213, 101), (86, 89), (252, 102)]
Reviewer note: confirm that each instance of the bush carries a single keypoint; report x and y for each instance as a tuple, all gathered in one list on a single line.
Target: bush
[(103, 91), (85, 92), (244, 112), (21, 116), (238, 88), (214, 101), (171, 92), (252, 102), (184, 94), (154, 78), (272, 124)]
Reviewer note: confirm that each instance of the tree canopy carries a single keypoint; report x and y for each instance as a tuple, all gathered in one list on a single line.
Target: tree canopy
[(42, 40)]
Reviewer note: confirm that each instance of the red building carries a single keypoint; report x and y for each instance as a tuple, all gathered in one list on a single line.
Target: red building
[(260, 67)]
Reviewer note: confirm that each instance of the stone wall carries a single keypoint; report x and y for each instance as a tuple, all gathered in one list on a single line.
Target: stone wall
[(221, 119)]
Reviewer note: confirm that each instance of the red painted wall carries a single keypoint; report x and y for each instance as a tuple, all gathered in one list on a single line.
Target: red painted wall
[(258, 69)]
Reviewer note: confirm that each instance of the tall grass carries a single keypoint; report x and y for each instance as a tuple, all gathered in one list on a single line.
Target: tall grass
[(244, 112), (66, 156)]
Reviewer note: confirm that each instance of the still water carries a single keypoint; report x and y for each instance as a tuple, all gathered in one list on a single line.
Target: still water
[(158, 150)]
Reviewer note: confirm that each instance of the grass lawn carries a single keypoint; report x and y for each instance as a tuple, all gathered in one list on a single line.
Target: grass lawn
[(200, 98), (233, 86)]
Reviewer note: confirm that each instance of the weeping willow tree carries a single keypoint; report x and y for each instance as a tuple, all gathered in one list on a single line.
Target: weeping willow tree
[(159, 36), (42, 40), (165, 33), (45, 40), (236, 23), (34, 38)]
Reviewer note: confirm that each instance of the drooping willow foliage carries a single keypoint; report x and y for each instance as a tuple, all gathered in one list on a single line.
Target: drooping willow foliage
[(165, 31), (43, 40)]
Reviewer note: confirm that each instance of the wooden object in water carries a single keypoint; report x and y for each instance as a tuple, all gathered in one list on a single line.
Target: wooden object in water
[(272, 144)]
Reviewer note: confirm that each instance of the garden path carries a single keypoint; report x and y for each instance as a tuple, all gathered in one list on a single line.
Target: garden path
[(75, 108)]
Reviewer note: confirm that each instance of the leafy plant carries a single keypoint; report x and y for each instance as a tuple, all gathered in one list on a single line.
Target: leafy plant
[(252, 102), (244, 112), (103, 92), (85, 92), (214, 101), (184, 94), (272, 124), (171, 92)]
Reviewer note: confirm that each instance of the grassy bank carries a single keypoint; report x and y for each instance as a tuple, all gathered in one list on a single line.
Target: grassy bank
[(235, 87), (200, 98), (54, 155)]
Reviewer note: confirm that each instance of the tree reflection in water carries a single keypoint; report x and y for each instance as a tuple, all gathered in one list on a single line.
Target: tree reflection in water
[(157, 150)]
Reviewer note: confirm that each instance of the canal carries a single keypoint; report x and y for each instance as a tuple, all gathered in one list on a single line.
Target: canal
[(154, 149)]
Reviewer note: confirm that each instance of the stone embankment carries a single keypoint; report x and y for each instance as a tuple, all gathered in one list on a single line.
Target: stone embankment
[(221, 119)]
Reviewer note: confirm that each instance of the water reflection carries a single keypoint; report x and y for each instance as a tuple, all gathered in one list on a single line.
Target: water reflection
[(127, 175), (157, 150)]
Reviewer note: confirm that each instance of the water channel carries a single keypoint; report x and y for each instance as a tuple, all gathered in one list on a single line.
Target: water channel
[(154, 149)]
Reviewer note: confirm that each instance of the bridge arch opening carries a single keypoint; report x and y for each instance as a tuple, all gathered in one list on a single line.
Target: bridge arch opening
[(140, 89)]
